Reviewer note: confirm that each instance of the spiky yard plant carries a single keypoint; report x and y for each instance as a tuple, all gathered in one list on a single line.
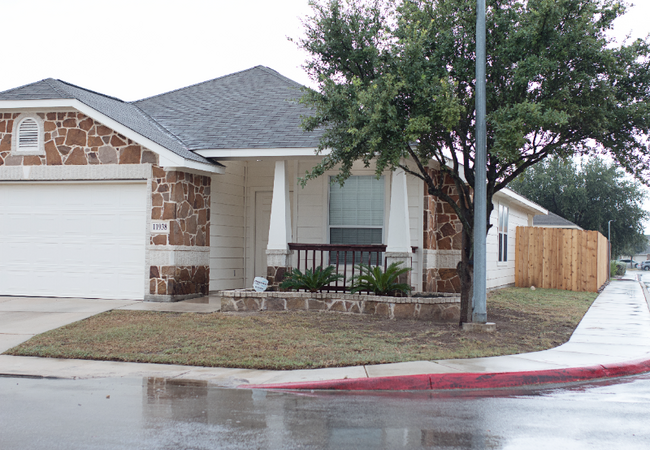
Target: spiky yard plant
[(312, 280), (378, 281)]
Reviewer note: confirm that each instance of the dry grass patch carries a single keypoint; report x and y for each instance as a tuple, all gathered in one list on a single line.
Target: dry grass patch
[(526, 321)]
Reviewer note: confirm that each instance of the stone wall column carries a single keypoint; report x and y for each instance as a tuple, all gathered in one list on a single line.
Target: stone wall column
[(278, 263), (405, 259), (398, 242), (278, 255)]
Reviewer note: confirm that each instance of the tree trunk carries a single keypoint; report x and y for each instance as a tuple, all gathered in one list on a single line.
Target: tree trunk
[(465, 270)]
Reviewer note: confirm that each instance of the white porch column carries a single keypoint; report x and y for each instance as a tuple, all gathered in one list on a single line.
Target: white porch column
[(398, 241), (277, 250)]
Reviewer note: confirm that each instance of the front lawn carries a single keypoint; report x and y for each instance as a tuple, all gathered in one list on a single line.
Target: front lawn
[(526, 321)]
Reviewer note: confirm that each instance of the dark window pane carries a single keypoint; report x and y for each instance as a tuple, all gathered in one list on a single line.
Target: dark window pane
[(352, 236)]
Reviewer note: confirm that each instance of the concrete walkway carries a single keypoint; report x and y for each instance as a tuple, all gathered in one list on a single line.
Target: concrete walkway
[(613, 339)]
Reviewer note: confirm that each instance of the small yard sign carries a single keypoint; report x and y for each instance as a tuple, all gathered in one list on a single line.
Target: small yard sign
[(260, 284)]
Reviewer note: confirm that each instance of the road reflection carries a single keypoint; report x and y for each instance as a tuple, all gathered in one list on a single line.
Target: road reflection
[(157, 413), (321, 419)]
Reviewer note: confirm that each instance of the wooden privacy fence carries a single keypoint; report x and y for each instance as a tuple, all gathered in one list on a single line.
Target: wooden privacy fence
[(557, 258)]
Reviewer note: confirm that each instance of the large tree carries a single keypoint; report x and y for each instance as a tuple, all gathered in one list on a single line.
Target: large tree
[(395, 87), (590, 194)]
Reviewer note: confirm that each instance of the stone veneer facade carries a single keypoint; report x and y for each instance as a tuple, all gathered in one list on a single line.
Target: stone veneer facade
[(445, 308), (183, 200), (73, 139), (178, 261), (442, 240)]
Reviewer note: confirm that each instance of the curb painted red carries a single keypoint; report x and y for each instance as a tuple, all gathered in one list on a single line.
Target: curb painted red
[(469, 380)]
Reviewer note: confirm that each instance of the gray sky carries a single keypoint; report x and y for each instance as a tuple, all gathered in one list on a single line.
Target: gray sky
[(138, 48), (133, 49)]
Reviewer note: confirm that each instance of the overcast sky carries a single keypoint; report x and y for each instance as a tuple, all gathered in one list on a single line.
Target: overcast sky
[(132, 49), (137, 48)]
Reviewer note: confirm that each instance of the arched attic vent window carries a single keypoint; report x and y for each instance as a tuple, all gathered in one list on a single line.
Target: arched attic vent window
[(28, 135)]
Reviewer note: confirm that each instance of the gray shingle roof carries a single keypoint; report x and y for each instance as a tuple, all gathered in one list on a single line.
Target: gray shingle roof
[(41, 90), (255, 108), (122, 112), (553, 220)]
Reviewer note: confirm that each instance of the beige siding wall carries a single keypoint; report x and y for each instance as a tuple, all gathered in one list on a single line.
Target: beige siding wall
[(259, 182), (310, 223), (415, 188), (503, 273), (227, 230), (234, 217)]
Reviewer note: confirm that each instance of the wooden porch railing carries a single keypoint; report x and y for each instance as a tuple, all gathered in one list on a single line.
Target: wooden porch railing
[(344, 257)]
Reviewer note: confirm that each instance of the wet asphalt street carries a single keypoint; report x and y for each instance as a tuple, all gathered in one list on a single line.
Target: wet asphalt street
[(156, 413)]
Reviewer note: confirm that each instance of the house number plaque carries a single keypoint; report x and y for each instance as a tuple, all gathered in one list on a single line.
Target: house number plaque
[(160, 227)]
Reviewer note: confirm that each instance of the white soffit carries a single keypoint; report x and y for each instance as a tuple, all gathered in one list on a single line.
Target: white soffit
[(520, 200), (239, 153), (168, 159)]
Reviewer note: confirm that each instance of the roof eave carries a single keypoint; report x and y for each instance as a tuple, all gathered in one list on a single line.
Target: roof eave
[(168, 159), (248, 153), (529, 206)]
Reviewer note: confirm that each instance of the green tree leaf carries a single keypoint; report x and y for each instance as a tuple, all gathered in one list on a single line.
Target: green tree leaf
[(395, 88)]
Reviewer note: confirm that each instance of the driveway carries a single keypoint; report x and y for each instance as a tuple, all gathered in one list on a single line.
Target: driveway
[(23, 317)]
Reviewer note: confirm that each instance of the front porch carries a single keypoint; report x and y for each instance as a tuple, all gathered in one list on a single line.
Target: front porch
[(283, 255), (264, 224)]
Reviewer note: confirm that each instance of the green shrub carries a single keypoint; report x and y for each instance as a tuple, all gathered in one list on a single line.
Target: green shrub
[(617, 268), (312, 280), (375, 280)]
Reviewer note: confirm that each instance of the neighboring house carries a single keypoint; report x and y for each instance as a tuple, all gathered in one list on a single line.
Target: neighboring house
[(552, 220), (196, 190), (643, 256)]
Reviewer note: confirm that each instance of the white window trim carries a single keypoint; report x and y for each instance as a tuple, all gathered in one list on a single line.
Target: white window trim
[(502, 262), (40, 150), (327, 207)]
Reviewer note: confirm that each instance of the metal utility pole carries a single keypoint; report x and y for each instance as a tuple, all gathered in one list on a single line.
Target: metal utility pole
[(479, 313)]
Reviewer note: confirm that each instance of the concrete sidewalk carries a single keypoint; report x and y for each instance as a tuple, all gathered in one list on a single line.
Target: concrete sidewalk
[(613, 339)]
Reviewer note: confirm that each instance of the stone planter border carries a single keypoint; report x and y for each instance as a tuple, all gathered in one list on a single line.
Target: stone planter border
[(445, 308)]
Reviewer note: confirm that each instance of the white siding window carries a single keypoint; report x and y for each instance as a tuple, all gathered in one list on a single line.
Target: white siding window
[(356, 211), (503, 233)]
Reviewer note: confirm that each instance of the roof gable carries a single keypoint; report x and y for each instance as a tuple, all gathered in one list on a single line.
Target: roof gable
[(124, 113)]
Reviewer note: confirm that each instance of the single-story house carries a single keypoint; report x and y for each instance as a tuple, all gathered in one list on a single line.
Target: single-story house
[(642, 256), (196, 190)]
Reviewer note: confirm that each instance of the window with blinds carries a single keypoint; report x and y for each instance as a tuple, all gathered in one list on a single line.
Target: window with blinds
[(356, 212), (28, 135), (503, 233)]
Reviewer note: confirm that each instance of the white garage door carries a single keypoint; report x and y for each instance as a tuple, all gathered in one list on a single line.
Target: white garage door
[(73, 239)]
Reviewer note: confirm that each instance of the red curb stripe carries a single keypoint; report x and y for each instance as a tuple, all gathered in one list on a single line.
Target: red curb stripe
[(468, 380)]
